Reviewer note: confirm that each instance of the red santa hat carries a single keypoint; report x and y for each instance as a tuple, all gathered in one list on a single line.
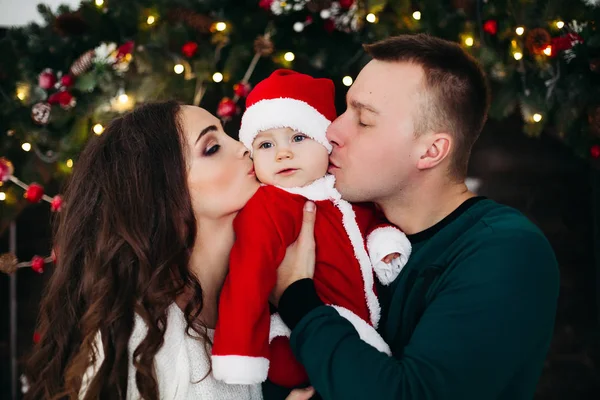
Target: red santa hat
[(289, 99)]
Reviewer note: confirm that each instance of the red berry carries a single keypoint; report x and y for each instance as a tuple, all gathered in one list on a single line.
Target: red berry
[(36, 337), (56, 204), (34, 193), (67, 80), (37, 264), (227, 108), (242, 89), (595, 151), (189, 49), (46, 79)]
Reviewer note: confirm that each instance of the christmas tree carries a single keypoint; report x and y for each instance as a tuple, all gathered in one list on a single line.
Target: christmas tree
[(62, 81)]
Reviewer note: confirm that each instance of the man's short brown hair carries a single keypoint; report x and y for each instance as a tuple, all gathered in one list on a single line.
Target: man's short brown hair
[(456, 95)]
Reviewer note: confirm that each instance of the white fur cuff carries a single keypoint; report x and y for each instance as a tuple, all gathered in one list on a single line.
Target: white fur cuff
[(366, 332), (278, 328), (384, 241), (240, 370)]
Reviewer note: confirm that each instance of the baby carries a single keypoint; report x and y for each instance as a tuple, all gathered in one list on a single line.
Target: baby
[(284, 128)]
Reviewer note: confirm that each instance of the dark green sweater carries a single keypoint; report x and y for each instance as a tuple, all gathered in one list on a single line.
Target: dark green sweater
[(470, 316)]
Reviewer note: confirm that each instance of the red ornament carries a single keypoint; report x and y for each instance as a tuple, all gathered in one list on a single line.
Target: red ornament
[(64, 98), (265, 4), (595, 151), (6, 169), (36, 337), (309, 20), (67, 80), (56, 204), (46, 79), (491, 26), (189, 49), (34, 193), (346, 4), (37, 264), (329, 26), (565, 42), (124, 49), (242, 89), (227, 108)]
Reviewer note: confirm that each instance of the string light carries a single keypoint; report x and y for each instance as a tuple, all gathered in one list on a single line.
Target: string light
[(520, 30), (537, 117), (372, 18), (347, 81), (178, 68), (99, 3), (289, 56), (518, 55), (26, 146), (417, 15), (70, 163), (220, 26), (548, 51), (298, 27), (469, 41), (98, 129), (151, 19), (217, 77), (123, 98), (560, 24), (2, 196)]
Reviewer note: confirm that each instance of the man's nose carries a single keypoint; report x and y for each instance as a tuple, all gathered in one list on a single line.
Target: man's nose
[(333, 134)]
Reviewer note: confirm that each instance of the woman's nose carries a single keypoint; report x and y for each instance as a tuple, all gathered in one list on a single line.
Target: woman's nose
[(243, 152)]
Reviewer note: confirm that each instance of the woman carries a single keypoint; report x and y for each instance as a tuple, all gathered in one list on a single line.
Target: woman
[(143, 248)]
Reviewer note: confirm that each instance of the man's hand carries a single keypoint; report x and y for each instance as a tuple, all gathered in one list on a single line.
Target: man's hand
[(299, 260)]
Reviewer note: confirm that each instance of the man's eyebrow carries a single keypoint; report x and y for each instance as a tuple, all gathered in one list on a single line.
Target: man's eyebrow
[(362, 106), (210, 128)]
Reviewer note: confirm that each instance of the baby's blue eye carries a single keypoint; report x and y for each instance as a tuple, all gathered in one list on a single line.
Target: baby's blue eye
[(265, 145), (298, 138)]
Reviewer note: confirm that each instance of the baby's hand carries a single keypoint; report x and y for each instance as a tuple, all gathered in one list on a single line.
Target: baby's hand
[(390, 257)]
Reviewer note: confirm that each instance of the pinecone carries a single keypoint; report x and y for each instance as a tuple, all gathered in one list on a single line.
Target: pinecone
[(537, 40), (8, 263), (199, 22), (70, 24), (40, 113), (83, 63), (318, 5), (263, 45)]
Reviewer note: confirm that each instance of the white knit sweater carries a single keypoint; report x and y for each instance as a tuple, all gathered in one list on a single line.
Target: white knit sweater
[(180, 364)]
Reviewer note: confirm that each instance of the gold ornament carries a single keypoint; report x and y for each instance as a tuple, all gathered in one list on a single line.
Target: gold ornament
[(537, 40), (8, 263)]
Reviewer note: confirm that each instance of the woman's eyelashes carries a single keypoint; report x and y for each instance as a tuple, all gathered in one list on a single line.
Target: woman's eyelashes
[(212, 149)]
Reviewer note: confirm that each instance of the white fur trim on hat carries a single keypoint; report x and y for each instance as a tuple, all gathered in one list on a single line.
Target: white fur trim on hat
[(283, 113)]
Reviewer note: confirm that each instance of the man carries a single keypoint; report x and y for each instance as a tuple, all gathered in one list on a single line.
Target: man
[(472, 313)]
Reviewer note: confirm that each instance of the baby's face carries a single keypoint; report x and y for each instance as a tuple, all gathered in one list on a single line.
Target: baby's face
[(287, 158)]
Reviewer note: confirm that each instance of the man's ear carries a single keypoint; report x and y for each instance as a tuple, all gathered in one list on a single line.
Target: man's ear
[(437, 149)]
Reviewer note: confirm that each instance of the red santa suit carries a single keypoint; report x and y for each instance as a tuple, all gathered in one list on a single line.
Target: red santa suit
[(351, 242)]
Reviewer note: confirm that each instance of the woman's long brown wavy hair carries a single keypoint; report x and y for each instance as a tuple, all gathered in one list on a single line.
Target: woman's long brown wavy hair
[(123, 244)]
